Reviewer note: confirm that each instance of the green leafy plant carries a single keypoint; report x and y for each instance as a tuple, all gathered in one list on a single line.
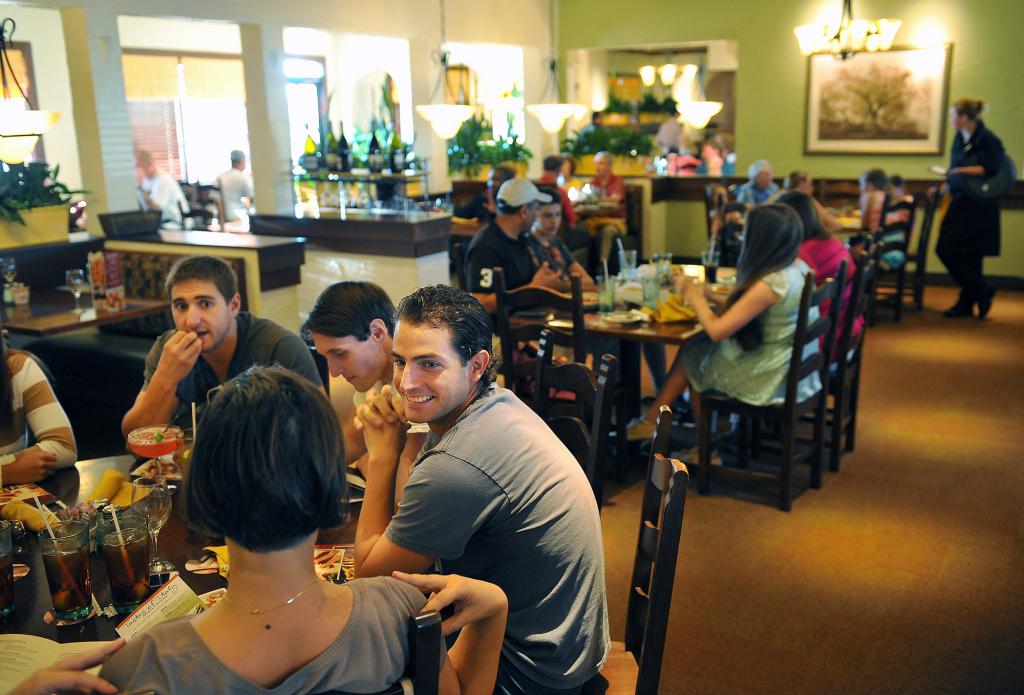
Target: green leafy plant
[(473, 148), (620, 141), (27, 186), (651, 104), (618, 105)]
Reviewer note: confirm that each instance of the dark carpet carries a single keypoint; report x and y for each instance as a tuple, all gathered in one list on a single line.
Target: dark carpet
[(905, 573)]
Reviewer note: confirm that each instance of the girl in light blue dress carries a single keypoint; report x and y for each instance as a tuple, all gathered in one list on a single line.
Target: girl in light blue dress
[(745, 349)]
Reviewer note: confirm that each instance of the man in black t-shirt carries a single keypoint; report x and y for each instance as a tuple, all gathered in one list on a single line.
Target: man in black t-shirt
[(502, 244)]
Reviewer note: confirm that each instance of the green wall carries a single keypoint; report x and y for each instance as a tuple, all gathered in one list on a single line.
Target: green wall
[(771, 78)]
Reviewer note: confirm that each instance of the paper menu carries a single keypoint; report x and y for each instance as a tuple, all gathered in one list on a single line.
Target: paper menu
[(173, 600), (23, 655)]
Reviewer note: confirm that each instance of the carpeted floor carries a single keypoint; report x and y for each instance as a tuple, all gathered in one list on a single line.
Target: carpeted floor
[(905, 573)]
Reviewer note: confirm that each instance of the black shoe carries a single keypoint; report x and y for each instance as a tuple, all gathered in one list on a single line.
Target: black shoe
[(960, 310), (985, 303)]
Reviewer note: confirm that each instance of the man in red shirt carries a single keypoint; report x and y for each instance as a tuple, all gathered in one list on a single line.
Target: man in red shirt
[(609, 223)]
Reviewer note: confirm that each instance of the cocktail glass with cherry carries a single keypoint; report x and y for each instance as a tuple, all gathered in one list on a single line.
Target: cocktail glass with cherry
[(155, 441)]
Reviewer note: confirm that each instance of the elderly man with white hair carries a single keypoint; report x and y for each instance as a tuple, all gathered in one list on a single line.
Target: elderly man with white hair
[(609, 223), (760, 188)]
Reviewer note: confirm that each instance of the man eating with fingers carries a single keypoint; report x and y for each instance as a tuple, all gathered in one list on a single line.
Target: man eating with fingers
[(212, 342), (493, 495)]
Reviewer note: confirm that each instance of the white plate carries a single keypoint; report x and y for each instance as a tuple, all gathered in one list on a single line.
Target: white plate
[(624, 318)]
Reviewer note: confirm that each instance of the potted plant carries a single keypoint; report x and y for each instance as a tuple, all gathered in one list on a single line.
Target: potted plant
[(33, 205), (627, 147), (473, 150)]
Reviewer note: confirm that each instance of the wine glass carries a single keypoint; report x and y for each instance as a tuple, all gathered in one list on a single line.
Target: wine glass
[(152, 500), (76, 282), (9, 268)]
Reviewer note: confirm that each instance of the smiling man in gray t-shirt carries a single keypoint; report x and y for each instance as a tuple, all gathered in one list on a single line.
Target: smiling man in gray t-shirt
[(493, 495)]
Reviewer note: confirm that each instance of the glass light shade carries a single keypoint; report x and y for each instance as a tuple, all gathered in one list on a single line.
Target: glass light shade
[(20, 129), (552, 116), (445, 119), (810, 37), (667, 73), (648, 75), (698, 113), (887, 29)]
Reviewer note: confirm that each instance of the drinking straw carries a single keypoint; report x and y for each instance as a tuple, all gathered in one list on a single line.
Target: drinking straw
[(618, 240), (340, 563), (61, 505), (193, 421), (606, 276), (117, 527), (46, 521)]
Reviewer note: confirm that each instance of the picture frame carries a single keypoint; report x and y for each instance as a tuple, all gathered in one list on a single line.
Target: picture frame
[(889, 102)]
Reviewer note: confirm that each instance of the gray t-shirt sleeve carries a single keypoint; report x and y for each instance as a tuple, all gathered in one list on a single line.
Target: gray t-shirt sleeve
[(153, 357), (292, 353), (445, 502)]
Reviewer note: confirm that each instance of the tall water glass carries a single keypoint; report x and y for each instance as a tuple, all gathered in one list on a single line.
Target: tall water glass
[(606, 294), (66, 560), (152, 501), (627, 263)]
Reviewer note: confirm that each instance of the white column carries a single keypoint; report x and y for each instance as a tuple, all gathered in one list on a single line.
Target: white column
[(267, 115)]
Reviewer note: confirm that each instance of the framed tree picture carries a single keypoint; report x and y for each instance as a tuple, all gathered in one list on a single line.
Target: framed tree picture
[(890, 102)]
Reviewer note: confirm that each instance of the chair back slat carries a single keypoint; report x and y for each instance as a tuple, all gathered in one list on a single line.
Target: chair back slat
[(508, 301), (836, 309), (654, 568), (572, 432)]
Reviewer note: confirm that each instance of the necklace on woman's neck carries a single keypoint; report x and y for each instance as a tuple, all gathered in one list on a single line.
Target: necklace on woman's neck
[(261, 611)]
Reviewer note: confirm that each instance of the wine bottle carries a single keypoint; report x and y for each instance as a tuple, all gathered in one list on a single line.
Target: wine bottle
[(376, 155), (397, 154), (331, 151), (310, 160), (344, 154)]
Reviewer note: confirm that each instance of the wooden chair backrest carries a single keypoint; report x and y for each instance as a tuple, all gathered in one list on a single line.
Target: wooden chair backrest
[(931, 205), (836, 309), (508, 301), (586, 426), (808, 331), (654, 567)]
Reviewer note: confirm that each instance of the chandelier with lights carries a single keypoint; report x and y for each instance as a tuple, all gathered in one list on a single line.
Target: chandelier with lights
[(850, 36), (20, 124), (444, 118), (695, 112), (553, 114)]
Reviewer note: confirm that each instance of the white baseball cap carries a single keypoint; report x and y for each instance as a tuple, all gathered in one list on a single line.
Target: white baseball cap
[(516, 192)]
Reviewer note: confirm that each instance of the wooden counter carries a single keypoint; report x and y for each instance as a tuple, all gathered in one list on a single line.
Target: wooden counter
[(403, 235)]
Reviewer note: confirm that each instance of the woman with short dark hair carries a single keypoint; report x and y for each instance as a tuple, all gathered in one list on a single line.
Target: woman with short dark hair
[(267, 474), (970, 229)]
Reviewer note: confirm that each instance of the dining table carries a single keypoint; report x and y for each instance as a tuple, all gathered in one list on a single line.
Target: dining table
[(178, 543), (51, 312)]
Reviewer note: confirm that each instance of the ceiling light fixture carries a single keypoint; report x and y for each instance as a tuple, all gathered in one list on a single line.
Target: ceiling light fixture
[(444, 118), (20, 124), (648, 75), (849, 37), (553, 114), (667, 73)]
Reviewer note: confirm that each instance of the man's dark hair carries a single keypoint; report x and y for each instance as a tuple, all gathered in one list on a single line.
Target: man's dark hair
[(207, 269), (346, 308), (556, 197), (443, 306), (876, 177), (552, 163), (504, 172), (268, 463)]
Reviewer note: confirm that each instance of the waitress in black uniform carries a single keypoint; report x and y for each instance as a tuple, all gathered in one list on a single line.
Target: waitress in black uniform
[(970, 229)]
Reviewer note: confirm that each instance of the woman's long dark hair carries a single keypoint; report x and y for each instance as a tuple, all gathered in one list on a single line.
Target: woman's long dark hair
[(771, 242), (804, 207)]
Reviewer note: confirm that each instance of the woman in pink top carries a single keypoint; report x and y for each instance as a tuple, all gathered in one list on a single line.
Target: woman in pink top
[(823, 252)]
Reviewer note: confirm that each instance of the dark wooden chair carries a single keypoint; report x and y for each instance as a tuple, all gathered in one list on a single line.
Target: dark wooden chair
[(918, 260), (784, 417), (892, 283), (518, 368), (716, 195), (423, 670), (844, 383), (568, 419), (634, 666)]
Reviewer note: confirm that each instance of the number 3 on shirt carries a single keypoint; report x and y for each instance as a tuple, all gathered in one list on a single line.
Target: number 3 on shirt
[(486, 278)]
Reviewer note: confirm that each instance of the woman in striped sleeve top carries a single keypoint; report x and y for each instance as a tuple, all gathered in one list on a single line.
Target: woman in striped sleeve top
[(27, 404)]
